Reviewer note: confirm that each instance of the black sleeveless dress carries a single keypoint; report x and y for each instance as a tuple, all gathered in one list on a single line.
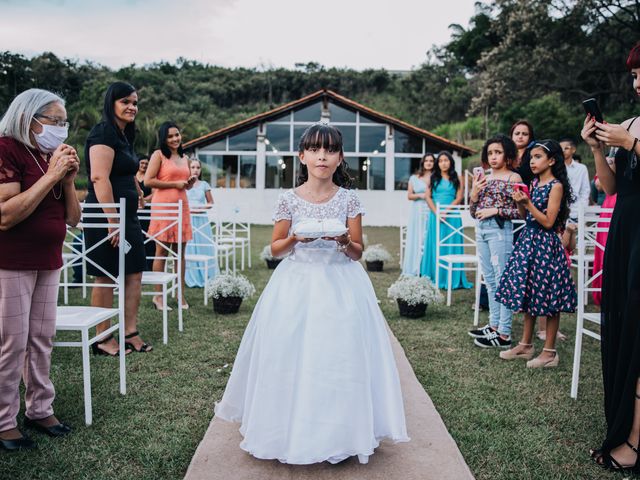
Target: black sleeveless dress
[(621, 303)]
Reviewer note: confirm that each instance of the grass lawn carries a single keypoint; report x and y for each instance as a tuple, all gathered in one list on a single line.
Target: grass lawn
[(509, 422)]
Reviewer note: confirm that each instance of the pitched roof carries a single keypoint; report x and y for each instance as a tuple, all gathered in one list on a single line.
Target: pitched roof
[(338, 99)]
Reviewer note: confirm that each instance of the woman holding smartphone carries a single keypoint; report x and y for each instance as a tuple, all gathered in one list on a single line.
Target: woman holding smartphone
[(621, 284)]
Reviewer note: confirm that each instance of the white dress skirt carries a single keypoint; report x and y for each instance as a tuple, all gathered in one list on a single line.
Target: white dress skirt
[(315, 378)]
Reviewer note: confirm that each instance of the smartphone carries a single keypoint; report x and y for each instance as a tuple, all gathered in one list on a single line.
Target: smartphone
[(591, 107), (478, 172), (521, 187), (127, 247)]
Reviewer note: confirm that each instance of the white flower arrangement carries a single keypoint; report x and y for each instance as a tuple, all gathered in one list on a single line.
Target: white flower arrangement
[(376, 253), (266, 254), (415, 290), (230, 285)]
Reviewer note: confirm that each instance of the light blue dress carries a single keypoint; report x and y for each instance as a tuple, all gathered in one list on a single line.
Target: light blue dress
[(416, 229), (202, 237), (444, 194)]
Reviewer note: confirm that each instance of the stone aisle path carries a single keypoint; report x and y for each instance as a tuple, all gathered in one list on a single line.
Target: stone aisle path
[(431, 453)]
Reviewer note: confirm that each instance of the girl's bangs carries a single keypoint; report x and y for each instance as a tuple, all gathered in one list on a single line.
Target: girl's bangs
[(322, 136)]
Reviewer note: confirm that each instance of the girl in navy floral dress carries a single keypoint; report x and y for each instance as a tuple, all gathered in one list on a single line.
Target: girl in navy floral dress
[(536, 280)]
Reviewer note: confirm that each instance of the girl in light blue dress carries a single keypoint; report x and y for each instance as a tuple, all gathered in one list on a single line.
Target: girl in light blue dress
[(445, 189), (202, 243), (417, 226)]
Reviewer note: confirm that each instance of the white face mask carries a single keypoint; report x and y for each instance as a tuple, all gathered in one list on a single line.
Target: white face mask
[(51, 137)]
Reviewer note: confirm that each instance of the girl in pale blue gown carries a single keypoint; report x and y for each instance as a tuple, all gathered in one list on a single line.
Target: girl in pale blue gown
[(417, 226), (445, 189), (202, 242)]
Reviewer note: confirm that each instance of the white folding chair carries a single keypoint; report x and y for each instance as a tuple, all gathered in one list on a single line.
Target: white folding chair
[(403, 243), (237, 235), (82, 318), (72, 246), (171, 213), (590, 224), (460, 262), (204, 232)]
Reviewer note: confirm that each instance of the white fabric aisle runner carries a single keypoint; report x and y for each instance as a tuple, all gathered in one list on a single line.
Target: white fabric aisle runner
[(431, 454)]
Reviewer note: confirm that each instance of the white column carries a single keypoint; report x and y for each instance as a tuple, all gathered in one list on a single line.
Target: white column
[(261, 158), (458, 158), (389, 163)]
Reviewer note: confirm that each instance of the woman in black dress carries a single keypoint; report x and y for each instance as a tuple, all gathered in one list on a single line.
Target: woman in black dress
[(522, 135), (621, 285), (147, 193), (111, 166)]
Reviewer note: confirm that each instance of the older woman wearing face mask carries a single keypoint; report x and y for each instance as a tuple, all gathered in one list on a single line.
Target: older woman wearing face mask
[(37, 198)]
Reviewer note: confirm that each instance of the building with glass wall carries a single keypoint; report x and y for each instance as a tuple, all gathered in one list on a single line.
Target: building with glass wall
[(250, 162)]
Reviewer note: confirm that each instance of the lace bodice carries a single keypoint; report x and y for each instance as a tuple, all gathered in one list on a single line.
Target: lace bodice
[(344, 204)]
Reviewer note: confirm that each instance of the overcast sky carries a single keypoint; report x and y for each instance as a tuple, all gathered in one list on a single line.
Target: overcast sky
[(394, 34)]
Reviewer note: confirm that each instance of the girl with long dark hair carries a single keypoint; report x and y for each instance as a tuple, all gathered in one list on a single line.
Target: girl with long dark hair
[(445, 189), (306, 382), (537, 280)]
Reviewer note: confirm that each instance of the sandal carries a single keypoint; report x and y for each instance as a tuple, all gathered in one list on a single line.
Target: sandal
[(99, 351), (606, 460), (144, 348)]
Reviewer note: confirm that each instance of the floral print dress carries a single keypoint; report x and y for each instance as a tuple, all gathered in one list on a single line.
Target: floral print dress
[(536, 279)]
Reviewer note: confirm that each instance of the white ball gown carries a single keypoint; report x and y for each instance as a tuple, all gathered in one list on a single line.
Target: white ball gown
[(315, 378)]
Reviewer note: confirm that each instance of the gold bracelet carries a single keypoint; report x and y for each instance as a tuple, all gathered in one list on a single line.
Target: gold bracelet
[(343, 247)]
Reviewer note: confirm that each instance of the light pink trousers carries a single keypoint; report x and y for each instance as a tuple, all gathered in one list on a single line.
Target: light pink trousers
[(28, 300)]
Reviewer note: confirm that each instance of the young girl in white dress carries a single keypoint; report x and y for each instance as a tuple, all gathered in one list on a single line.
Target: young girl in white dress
[(315, 378)]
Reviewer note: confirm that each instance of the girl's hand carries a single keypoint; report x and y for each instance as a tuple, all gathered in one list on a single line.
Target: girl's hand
[(485, 213), (141, 203), (614, 135), (181, 184), (341, 239), (588, 129), (521, 198), (479, 184), (191, 181), (301, 239)]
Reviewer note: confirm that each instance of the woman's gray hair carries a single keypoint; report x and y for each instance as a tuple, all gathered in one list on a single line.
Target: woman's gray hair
[(16, 121)]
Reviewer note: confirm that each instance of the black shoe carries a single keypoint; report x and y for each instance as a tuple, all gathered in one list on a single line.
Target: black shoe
[(59, 430), (492, 340), (481, 332), (24, 443)]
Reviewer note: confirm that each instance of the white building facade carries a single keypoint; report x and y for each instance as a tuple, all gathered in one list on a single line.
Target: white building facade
[(250, 163)]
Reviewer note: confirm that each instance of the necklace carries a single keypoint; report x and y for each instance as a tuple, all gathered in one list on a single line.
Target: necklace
[(320, 198), (53, 189)]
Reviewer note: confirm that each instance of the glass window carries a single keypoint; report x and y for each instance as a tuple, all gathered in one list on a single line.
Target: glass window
[(279, 172), (298, 130), (244, 141), (219, 145), (348, 138), (365, 119), (277, 137), (247, 171), (368, 173), (308, 114), (373, 139), (404, 167), (405, 143), (212, 170), (432, 148), (339, 114), (229, 177)]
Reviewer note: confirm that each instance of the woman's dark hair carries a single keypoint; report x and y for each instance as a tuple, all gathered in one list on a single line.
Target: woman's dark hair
[(633, 60), (421, 169), (510, 150), (163, 133), (116, 91), (553, 150), (321, 135), (194, 159), (528, 125), (436, 176)]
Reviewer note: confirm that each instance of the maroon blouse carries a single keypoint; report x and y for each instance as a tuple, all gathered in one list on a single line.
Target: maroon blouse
[(36, 242)]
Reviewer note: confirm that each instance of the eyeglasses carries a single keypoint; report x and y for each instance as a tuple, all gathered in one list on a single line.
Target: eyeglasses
[(56, 121)]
